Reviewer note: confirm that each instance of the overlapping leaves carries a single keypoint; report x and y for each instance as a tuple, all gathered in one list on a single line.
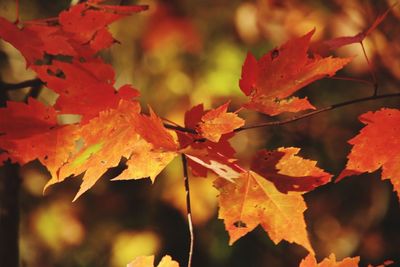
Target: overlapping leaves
[(112, 127)]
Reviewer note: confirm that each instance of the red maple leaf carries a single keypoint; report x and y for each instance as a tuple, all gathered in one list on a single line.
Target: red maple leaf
[(30, 131), (204, 155), (271, 81), (288, 171)]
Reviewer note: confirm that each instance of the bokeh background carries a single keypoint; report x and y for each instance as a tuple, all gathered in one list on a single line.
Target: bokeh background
[(182, 53)]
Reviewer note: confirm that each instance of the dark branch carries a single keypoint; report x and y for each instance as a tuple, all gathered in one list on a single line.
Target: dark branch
[(179, 128), (315, 112), (292, 119), (24, 84)]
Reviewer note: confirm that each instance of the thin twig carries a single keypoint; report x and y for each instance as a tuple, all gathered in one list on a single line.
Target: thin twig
[(179, 128), (371, 70), (188, 209), (315, 112), (295, 118), (351, 80), (16, 86)]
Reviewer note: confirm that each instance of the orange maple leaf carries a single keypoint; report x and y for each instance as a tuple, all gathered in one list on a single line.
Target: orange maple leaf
[(148, 261), (251, 200), (377, 146), (310, 261), (217, 122), (112, 135), (271, 81), (288, 171)]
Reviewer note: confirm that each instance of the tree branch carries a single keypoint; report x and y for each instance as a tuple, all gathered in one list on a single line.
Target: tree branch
[(188, 209), (15, 86), (315, 112)]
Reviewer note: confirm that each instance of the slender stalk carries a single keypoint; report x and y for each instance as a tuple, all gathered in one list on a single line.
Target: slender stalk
[(351, 79), (315, 112), (188, 209), (179, 128), (371, 70)]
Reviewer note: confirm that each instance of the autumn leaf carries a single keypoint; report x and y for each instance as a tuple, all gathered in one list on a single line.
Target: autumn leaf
[(271, 81), (310, 261), (112, 135), (81, 30), (377, 146), (358, 38), (252, 200), (30, 131), (207, 155), (210, 159), (64, 56), (86, 21), (148, 261), (217, 122), (288, 171)]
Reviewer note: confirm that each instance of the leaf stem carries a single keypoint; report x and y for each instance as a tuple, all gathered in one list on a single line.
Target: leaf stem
[(188, 209), (351, 79), (371, 70)]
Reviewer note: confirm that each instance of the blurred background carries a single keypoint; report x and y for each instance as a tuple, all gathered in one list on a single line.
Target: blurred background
[(182, 53)]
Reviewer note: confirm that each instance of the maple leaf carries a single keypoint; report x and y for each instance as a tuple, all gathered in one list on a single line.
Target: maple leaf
[(110, 136), (207, 155), (271, 81), (81, 30), (310, 261), (288, 171), (251, 200), (377, 146), (213, 160), (358, 38), (30, 131), (86, 21), (148, 261), (85, 88), (217, 122)]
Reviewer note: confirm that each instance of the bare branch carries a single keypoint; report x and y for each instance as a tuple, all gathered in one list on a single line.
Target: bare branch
[(24, 84), (315, 112)]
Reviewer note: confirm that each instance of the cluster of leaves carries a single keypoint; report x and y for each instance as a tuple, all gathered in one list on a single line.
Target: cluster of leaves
[(64, 54)]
